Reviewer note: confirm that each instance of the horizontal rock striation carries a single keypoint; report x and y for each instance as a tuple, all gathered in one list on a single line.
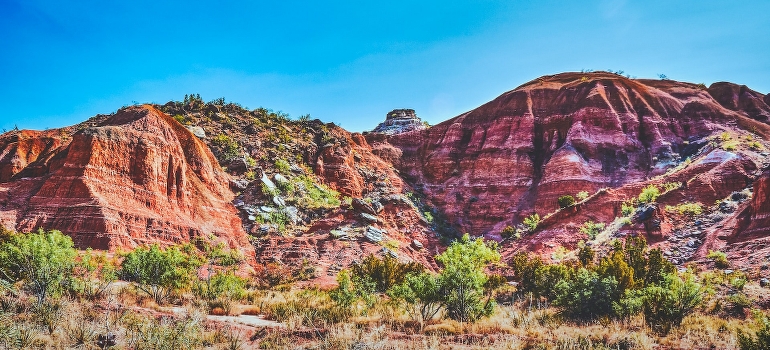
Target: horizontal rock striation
[(567, 133), (138, 177)]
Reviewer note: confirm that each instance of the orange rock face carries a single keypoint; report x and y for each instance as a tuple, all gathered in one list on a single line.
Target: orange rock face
[(136, 178)]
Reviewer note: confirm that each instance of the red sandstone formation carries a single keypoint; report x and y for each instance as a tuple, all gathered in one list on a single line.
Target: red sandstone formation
[(138, 177), (574, 132)]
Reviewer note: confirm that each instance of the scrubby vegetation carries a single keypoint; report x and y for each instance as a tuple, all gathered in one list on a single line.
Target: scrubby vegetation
[(566, 201), (53, 296)]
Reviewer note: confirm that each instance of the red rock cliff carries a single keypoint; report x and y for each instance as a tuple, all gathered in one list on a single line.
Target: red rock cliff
[(138, 177), (567, 133)]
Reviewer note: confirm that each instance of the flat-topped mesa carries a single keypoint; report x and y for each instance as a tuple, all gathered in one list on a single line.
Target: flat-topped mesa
[(399, 121)]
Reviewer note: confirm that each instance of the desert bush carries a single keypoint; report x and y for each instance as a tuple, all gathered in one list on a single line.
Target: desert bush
[(159, 272), (657, 267), (226, 147), (92, 275), (566, 201), (587, 296), (649, 194), (165, 334), (627, 208), (42, 260), (272, 274), (531, 222), (384, 273), (348, 293), (591, 229), (586, 255), (220, 290), (719, 259), (582, 195), (688, 209), (509, 232), (282, 166), (420, 295), (49, 314), (525, 268), (670, 186), (666, 304), (463, 278), (761, 341)]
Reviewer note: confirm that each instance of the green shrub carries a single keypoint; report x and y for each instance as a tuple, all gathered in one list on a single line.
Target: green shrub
[(282, 166), (649, 194), (42, 260), (582, 195), (525, 268), (587, 296), (755, 145), (586, 255), (159, 273), (759, 342), (627, 208), (719, 259), (420, 295), (566, 201), (226, 147), (383, 273), (92, 275), (670, 186), (509, 232), (666, 304), (531, 222), (463, 278), (181, 119), (689, 209), (591, 229)]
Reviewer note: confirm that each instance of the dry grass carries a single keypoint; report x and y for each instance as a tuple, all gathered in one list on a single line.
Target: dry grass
[(520, 325)]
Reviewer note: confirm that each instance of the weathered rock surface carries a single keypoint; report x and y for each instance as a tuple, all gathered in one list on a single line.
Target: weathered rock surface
[(573, 132), (138, 177), (399, 121)]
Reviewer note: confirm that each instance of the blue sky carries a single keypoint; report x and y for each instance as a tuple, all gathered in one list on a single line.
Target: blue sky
[(351, 62)]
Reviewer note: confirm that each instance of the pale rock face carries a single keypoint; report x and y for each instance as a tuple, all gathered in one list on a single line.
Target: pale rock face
[(399, 121)]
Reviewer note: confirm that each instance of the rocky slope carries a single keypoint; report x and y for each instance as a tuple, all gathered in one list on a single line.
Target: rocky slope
[(595, 132), (310, 193), (135, 177), (302, 193)]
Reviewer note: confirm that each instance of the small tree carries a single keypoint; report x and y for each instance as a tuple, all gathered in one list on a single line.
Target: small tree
[(582, 195), (420, 294), (43, 260), (566, 201), (159, 273), (463, 278)]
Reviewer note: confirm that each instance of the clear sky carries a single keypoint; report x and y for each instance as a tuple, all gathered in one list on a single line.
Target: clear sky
[(350, 62)]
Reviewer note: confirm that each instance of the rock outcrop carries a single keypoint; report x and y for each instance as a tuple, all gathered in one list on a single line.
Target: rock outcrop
[(399, 121), (138, 177), (572, 132)]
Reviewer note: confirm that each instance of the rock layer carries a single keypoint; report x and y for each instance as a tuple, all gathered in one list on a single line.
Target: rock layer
[(138, 177), (399, 121), (567, 133)]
